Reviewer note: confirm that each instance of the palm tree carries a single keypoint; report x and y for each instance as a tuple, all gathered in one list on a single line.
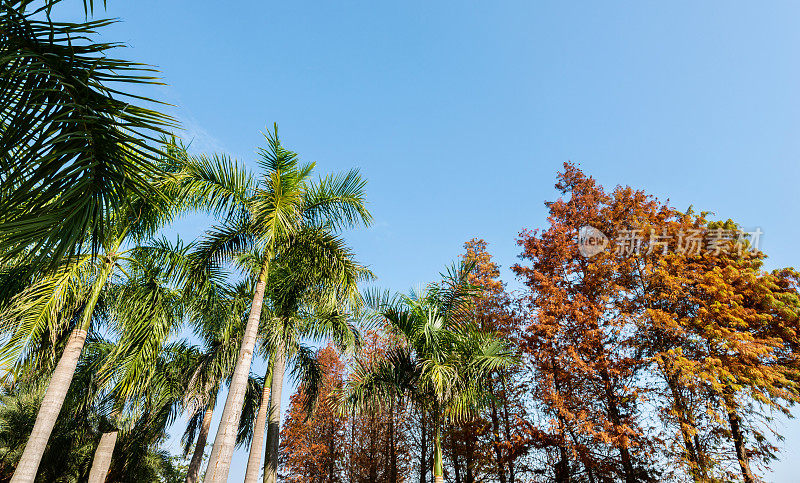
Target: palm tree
[(307, 373), (216, 312), (74, 146), (85, 414), (312, 288), (306, 294), (76, 284), (74, 435), (441, 360), (143, 422), (261, 217), (144, 313)]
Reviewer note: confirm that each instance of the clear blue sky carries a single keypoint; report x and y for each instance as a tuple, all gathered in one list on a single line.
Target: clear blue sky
[(460, 112)]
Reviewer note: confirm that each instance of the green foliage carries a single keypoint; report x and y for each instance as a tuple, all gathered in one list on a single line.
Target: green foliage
[(74, 145)]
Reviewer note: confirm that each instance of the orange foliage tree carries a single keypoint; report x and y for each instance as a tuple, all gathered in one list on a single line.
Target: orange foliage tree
[(675, 315), (313, 445)]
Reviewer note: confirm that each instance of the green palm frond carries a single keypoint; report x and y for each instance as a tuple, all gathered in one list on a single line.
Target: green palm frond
[(337, 201), (216, 184), (224, 242), (252, 401), (74, 145), (39, 309), (307, 372), (275, 157)]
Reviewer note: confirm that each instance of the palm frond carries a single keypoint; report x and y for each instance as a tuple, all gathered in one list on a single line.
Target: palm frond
[(73, 146), (337, 202)]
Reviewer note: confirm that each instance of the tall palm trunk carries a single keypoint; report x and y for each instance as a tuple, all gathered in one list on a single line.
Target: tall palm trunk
[(438, 470), (104, 452), (102, 457), (220, 461), (28, 464), (423, 450), (254, 461), (193, 473), (273, 431)]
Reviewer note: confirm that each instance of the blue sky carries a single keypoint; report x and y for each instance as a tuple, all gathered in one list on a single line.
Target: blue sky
[(460, 113)]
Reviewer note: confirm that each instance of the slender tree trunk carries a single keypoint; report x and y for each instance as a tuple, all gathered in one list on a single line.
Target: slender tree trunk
[(588, 467), (738, 443), (455, 454), (220, 461), (274, 429), (423, 450), (697, 467), (193, 473), (616, 420), (257, 447), (102, 457), (562, 467), (351, 456), (507, 425), (373, 437), (28, 465), (585, 460), (562, 472), (438, 470), (392, 449), (470, 456), (498, 451), (332, 455), (60, 381)]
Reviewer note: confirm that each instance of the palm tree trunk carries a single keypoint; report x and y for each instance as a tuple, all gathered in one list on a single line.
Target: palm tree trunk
[(423, 450), (438, 470), (28, 464), (193, 473), (102, 457), (273, 432), (220, 461), (254, 461)]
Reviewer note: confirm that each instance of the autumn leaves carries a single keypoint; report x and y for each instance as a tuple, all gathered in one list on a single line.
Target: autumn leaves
[(644, 360)]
